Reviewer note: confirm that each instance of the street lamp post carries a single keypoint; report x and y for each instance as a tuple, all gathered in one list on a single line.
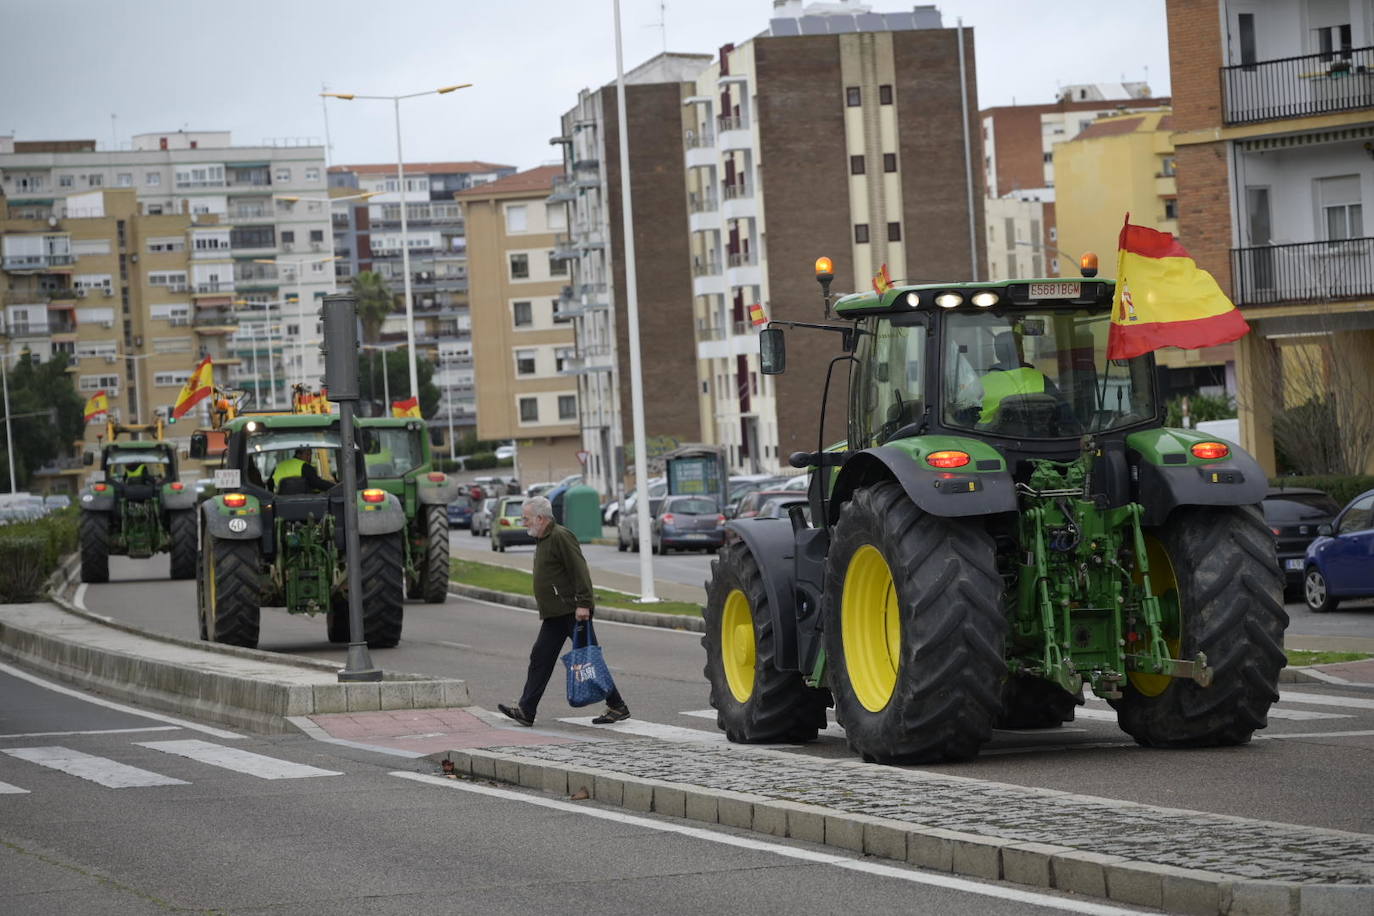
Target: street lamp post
[(401, 187), (9, 433), (300, 304), (386, 382), (448, 387)]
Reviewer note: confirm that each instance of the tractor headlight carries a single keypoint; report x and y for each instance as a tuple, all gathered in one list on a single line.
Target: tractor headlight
[(949, 300), (913, 300), (985, 299)]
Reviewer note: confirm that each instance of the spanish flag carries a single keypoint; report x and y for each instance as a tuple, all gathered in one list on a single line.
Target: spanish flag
[(756, 315), (882, 281), (1163, 299), (410, 407), (98, 404), (198, 387)]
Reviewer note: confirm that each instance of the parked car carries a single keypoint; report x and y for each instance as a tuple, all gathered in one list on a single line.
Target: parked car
[(611, 514), (688, 523), (57, 501), (481, 517), (779, 507), (1340, 562), (627, 531), (507, 526), (505, 452), (1294, 514), (799, 482), (750, 503), (460, 513), (539, 489)]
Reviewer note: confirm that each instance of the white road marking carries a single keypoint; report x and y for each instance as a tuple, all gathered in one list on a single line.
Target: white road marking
[(1356, 734), (109, 704), (602, 622), (106, 772), (7, 789), (674, 733), (833, 730), (1321, 699), (1275, 712), (865, 866), (236, 759), (95, 731), (79, 597)]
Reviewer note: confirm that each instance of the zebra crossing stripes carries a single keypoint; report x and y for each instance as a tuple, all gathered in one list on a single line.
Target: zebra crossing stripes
[(240, 761), (7, 789), (101, 770)]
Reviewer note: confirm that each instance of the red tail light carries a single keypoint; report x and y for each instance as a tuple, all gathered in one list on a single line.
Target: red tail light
[(100, 487), (947, 459), (720, 520), (235, 500), (1276, 531), (668, 518), (1210, 450), (374, 496), (436, 477), (505, 522), (178, 485)]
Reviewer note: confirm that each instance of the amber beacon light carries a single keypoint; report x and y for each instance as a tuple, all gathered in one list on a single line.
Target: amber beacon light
[(1087, 265)]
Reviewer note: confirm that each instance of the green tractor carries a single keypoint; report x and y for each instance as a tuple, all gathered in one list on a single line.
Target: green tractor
[(274, 536), (1007, 521), (399, 460), (137, 507)]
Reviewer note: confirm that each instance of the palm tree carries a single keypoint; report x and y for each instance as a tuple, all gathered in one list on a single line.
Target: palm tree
[(374, 303)]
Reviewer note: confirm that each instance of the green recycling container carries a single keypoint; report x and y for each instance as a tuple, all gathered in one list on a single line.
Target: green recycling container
[(582, 512)]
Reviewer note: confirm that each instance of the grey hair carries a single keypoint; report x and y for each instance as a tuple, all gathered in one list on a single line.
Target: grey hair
[(542, 507)]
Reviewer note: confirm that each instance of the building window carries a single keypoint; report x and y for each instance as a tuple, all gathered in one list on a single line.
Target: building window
[(856, 165), (66, 181), (288, 237), (317, 235), (282, 175), (1342, 216), (885, 94), (1171, 208), (517, 218), (529, 410), (567, 407), (312, 174), (153, 179), (1047, 158), (1245, 23), (889, 162), (1333, 39), (1166, 167), (557, 266), (852, 97), (861, 233), (894, 232), (524, 362), (124, 180), (524, 314), (95, 181), (519, 267)]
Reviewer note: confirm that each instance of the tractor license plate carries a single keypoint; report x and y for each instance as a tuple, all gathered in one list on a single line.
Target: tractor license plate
[(1065, 289), (1294, 564), (227, 479)]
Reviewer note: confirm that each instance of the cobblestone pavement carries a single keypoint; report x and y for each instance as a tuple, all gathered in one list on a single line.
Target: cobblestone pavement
[(1189, 839)]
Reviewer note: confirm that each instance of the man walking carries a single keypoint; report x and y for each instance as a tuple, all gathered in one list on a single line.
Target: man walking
[(563, 591)]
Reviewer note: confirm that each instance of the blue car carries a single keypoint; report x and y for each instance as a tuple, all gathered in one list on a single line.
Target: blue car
[(460, 512), (1340, 563)]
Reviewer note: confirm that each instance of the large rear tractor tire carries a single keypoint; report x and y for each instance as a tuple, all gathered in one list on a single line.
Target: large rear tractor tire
[(383, 580), (336, 620), (754, 701), (1217, 578), (95, 547), (231, 594), (434, 571), (181, 528), (1032, 702), (914, 630)]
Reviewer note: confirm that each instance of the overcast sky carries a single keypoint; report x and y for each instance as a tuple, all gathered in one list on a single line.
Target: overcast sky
[(256, 68)]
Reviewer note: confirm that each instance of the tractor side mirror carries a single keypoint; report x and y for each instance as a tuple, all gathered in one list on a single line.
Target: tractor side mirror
[(772, 351), (199, 445), (88, 459)]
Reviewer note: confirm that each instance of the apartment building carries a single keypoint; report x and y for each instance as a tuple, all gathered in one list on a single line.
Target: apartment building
[(255, 242), (526, 346), (594, 296), (368, 236), (1274, 144), (820, 137)]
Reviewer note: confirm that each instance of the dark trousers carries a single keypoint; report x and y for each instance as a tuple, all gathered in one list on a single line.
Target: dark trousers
[(553, 632)]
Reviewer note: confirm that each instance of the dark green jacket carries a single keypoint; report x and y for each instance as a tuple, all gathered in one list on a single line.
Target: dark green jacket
[(562, 582)]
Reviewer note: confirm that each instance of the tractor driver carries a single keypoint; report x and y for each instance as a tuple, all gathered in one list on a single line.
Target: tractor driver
[(144, 472), (1008, 377), (297, 475)]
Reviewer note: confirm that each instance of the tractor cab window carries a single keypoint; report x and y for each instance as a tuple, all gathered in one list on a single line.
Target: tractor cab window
[(134, 466), (1039, 375), (393, 451), (273, 448), (887, 392)]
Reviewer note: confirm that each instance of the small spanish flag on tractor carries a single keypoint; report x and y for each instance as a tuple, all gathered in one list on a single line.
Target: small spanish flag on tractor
[(1163, 299), (882, 281), (410, 407), (99, 403), (198, 387), (756, 315)]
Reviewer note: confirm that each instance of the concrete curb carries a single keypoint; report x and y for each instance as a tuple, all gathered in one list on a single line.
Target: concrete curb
[(1036, 865), (620, 615), (1312, 674), (244, 688)]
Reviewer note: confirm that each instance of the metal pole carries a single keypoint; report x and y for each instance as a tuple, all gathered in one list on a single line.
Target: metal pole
[(359, 666), (300, 336), (386, 386), (405, 258), (452, 447), (968, 158), (9, 434), (271, 365), (646, 562), (257, 388)]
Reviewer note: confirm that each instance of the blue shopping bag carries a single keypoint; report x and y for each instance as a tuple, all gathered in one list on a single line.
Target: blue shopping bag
[(589, 680)]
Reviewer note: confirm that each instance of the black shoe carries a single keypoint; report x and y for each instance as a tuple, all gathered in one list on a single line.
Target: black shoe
[(612, 714), (518, 714)]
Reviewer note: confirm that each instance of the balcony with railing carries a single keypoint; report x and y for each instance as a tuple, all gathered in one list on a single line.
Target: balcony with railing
[(705, 267), (703, 202), (1308, 272), (25, 262), (564, 249), (1296, 87), (564, 189), (699, 139)]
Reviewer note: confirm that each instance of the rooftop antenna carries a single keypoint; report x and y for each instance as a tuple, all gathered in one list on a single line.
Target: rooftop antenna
[(662, 24)]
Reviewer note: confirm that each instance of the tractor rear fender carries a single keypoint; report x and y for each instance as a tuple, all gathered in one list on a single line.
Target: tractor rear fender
[(947, 492), (98, 502), (173, 500), (772, 544), (431, 493), (1172, 476), (237, 523), (380, 518)]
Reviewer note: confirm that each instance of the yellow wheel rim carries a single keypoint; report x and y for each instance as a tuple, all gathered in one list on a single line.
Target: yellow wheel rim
[(210, 590), (737, 647), (871, 628), (1164, 583)]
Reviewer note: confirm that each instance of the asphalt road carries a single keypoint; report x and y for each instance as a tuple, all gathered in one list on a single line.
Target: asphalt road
[(1309, 767), (108, 809)]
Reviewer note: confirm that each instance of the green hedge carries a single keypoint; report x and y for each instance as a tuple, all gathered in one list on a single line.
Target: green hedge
[(30, 551), (1342, 489)]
